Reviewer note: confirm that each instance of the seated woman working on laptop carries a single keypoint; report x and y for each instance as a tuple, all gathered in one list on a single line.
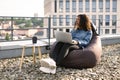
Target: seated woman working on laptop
[(82, 31), (81, 35)]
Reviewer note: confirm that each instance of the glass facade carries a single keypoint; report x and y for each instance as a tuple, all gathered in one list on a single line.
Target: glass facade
[(61, 6), (100, 5), (114, 19), (67, 20), (55, 6), (107, 20), (107, 5), (73, 19), (61, 20), (93, 5), (113, 31), (87, 5), (101, 19), (67, 6), (94, 19), (54, 20), (102, 12), (101, 31), (80, 5), (114, 6), (73, 5), (107, 31)]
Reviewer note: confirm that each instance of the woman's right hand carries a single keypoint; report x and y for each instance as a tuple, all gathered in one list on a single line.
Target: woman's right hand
[(74, 42)]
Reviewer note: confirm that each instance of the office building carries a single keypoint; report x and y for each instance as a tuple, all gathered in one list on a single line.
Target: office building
[(105, 14)]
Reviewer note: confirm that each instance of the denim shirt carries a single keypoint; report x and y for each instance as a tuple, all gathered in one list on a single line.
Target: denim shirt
[(83, 37)]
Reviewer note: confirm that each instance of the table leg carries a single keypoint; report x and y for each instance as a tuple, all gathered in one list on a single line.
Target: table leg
[(33, 52), (22, 57), (39, 52)]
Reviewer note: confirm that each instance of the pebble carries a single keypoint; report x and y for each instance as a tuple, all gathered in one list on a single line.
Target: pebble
[(107, 69)]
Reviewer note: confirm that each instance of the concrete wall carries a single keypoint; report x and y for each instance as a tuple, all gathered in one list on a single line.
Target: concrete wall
[(110, 40), (10, 53), (15, 50)]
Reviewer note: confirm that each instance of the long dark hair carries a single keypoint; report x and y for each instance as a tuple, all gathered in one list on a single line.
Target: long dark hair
[(84, 23)]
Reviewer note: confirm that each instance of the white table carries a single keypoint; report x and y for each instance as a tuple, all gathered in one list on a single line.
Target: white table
[(33, 46)]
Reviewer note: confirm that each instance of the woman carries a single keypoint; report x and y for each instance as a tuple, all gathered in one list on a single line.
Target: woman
[(82, 32), (81, 35)]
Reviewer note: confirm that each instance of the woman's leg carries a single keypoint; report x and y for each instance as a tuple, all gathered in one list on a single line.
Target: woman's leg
[(63, 52), (55, 50)]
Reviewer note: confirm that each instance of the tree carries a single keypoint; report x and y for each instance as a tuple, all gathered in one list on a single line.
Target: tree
[(37, 22), (28, 23), (7, 37), (19, 21)]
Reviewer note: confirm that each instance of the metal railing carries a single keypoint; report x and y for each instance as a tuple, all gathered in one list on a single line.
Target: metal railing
[(23, 28)]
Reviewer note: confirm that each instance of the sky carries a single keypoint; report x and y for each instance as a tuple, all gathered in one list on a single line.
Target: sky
[(24, 8)]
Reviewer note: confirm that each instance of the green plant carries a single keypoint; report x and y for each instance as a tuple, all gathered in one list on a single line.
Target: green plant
[(7, 37)]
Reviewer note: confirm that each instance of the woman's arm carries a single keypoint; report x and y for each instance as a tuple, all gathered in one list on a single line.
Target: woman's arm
[(85, 41), (82, 37)]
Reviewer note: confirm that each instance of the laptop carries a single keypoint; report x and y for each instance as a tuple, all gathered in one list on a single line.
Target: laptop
[(63, 37)]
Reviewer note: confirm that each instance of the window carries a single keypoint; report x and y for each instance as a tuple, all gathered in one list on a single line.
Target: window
[(73, 19), (61, 20), (113, 31), (101, 19), (87, 5), (107, 5), (55, 6), (80, 5), (73, 5), (106, 31), (100, 5), (54, 20), (107, 19), (101, 31), (61, 6), (67, 30), (94, 19), (114, 20), (67, 6), (54, 29), (93, 5), (67, 20), (60, 29), (114, 5)]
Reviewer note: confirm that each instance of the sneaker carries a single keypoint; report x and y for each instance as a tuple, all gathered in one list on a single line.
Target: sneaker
[(48, 65)]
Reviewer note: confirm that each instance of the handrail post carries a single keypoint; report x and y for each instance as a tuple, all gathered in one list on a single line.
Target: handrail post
[(49, 30), (115, 27), (99, 27), (12, 28)]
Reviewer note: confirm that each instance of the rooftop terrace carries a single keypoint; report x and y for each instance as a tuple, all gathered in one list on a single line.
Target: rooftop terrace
[(107, 69), (10, 53)]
